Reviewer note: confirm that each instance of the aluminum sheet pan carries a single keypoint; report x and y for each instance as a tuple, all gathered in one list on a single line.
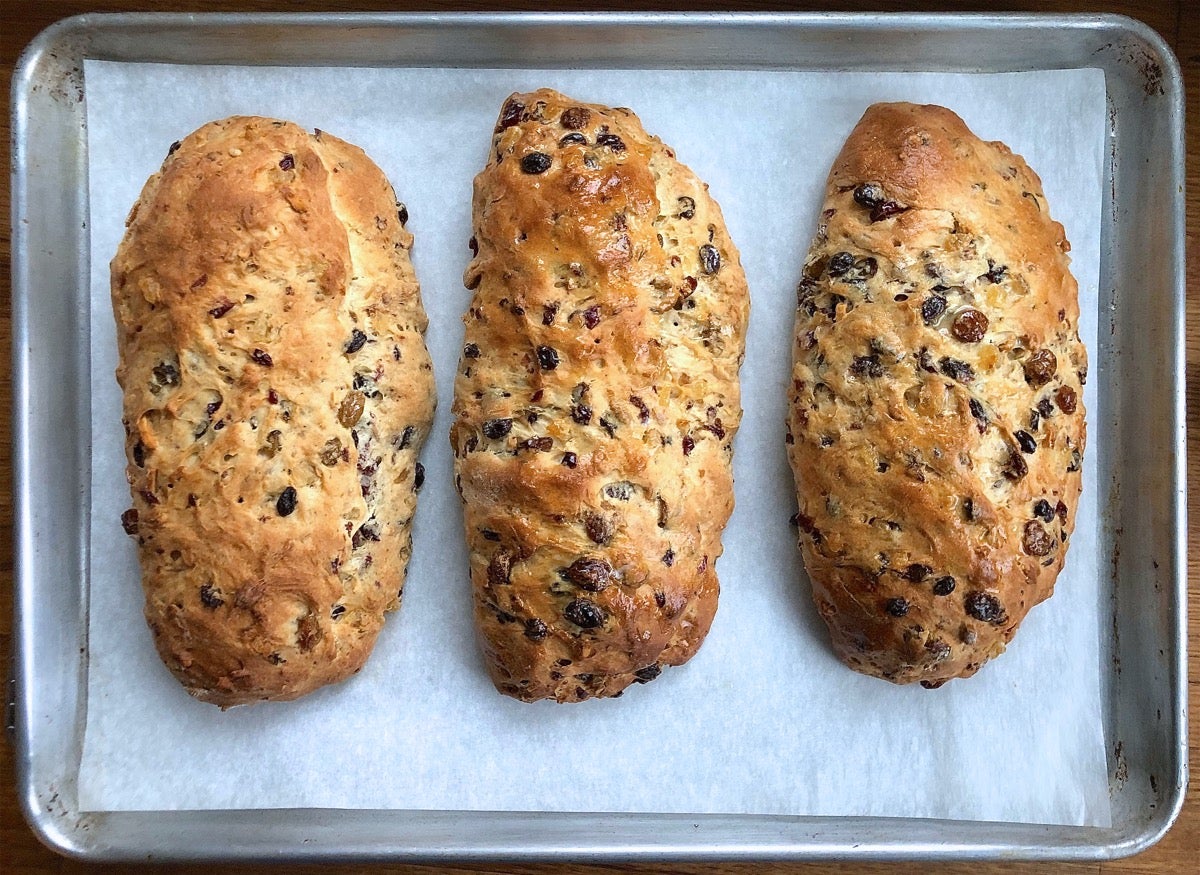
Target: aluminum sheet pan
[(1140, 370)]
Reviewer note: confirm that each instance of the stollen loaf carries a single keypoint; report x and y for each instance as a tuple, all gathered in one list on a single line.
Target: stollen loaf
[(277, 390), (596, 401), (936, 421)]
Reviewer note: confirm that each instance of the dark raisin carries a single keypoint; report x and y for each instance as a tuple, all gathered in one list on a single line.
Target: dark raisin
[(402, 213), (647, 674), (573, 137), (221, 309), (1040, 367), (368, 531), (864, 269), (610, 141), (710, 259), (925, 361), (336, 611), (886, 210), (286, 503), (535, 629), (581, 413), (510, 114), (643, 410), (869, 194), (166, 374), (867, 366), (1025, 439), (210, 597), (1037, 540), (591, 316), (174, 148), (355, 343), (839, 263), (272, 396), (943, 585), (139, 454), (609, 425), (956, 370), (688, 444), (981, 417), (129, 521), (969, 326), (494, 429), (1035, 420), (1043, 510), (918, 572), (418, 477), (471, 351), (598, 528), (939, 650), (570, 460), (1015, 468), (687, 208), (538, 444), (984, 607), (996, 273), (261, 357), (536, 162), (575, 118), (897, 607), (547, 358), (588, 573), (1045, 408), (932, 309), (668, 559), (287, 162), (584, 613), (499, 570), (1067, 402)]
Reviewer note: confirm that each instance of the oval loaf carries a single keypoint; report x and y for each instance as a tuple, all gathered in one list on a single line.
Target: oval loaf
[(936, 422), (596, 401), (276, 391)]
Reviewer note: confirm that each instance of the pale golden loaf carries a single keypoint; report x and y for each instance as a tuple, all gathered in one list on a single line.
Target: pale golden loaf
[(276, 392)]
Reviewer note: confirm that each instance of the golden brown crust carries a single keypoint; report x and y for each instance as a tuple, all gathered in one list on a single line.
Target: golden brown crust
[(936, 422), (596, 401), (264, 297)]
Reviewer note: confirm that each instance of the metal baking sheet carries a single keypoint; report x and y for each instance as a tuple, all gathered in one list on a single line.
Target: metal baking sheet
[(1142, 496)]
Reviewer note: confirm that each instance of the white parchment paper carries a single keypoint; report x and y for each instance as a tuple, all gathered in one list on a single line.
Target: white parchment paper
[(764, 719)]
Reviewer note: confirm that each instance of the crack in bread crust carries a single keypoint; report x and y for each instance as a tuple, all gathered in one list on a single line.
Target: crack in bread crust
[(276, 392), (936, 421), (596, 401)]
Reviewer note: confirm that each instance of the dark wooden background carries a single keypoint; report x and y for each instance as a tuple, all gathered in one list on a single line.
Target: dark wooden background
[(1178, 21)]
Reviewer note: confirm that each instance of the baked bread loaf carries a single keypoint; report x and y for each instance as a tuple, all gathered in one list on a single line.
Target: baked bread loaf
[(596, 401), (936, 423), (276, 392)]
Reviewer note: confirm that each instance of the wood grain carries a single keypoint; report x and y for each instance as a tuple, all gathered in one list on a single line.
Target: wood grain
[(1179, 23)]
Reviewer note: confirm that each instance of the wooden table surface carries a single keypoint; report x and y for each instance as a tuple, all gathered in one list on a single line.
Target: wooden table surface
[(1179, 23)]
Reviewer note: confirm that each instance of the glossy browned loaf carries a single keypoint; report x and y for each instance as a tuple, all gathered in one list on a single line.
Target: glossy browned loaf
[(276, 391), (596, 401), (936, 422)]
